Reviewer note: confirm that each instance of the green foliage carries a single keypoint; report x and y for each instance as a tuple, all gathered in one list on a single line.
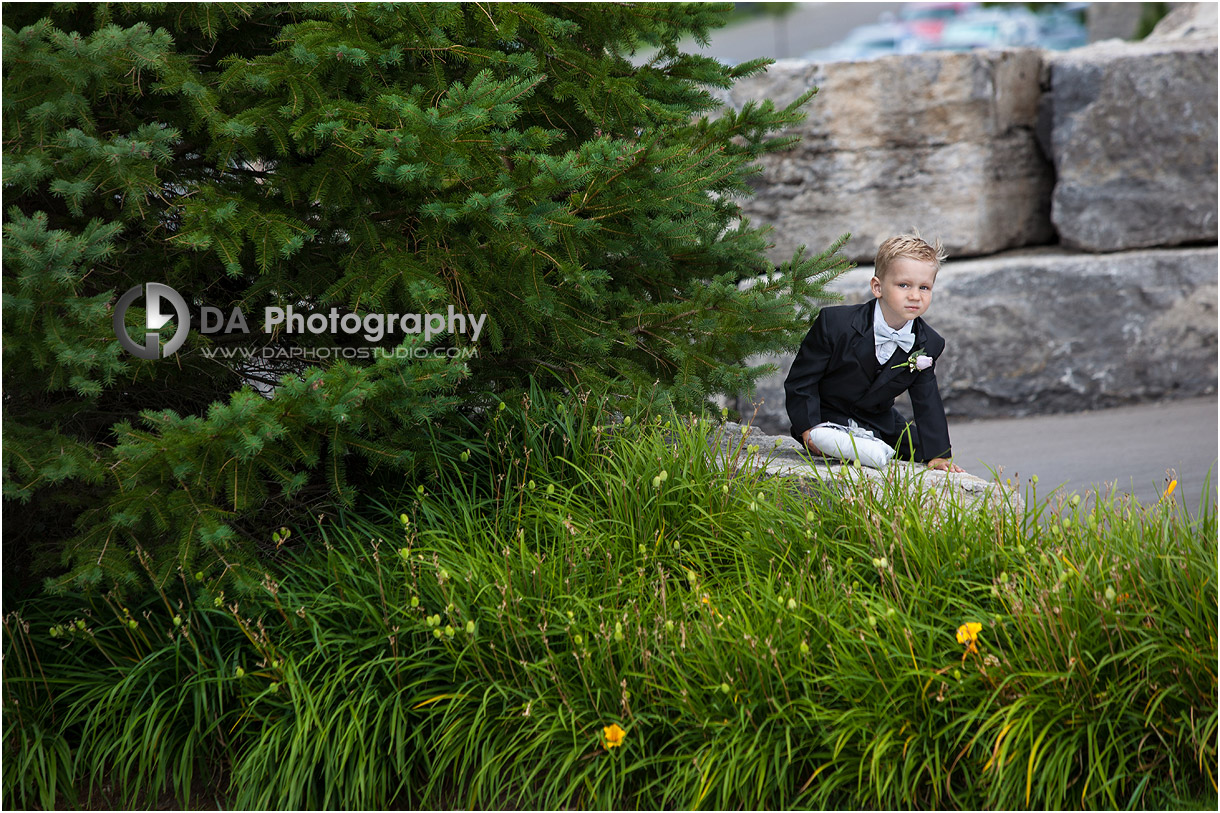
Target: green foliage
[(1150, 15), (763, 644), (500, 159)]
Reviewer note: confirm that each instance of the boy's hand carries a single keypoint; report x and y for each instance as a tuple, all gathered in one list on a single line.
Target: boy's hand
[(945, 464), (813, 450)]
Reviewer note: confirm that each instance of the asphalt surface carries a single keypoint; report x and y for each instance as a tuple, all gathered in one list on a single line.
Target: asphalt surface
[(807, 26), (1132, 449)]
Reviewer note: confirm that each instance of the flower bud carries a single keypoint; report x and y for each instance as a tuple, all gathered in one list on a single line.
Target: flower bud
[(464, 457), (274, 687), (578, 640), (804, 648), (724, 489), (791, 604), (241, 673), (531, 485), (669, 625), (664, 475), (656, 482), (177, 622), (414, 601), (626, 420), (449, 631)]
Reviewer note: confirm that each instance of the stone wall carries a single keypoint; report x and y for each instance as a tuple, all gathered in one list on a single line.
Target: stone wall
[(1045, 160), (945, 142), (1107, 147)]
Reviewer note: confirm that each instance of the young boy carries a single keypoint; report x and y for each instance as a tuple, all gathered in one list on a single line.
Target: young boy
[(857, 358)]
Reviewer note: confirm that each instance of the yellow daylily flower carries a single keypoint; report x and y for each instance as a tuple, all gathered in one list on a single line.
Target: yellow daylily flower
[(968, 634), (613, 736)]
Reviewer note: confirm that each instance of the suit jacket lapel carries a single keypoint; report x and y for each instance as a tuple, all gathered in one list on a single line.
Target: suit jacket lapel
[(863, 345)]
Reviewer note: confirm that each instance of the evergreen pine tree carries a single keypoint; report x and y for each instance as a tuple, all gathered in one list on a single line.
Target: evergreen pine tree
[(505, 159)]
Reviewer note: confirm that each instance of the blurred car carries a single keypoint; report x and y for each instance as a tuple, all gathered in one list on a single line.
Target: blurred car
[(1062, 27), (926, 21), (867, 42), (1008, 27)]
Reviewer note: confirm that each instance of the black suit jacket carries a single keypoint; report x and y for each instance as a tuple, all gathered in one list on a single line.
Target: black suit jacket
[(836, 377)]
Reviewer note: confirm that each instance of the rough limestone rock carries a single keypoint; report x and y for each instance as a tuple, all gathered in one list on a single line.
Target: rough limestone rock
[(942, 141), (1133, 138), (781, 456), (1044, 330), (1187, 21)]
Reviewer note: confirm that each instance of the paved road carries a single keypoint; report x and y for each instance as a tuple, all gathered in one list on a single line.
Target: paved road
[(1131, 447), (807, 26)]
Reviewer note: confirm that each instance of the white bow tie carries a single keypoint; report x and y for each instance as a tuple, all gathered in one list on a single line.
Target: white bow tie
[(888, 340)]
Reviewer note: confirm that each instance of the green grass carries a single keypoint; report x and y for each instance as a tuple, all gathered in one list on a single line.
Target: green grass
[(764, 644)]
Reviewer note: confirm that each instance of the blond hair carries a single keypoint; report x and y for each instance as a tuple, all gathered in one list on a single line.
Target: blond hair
[(912, 246)]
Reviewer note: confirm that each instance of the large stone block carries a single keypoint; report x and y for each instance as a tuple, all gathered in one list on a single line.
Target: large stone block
[(942, 142), (1133, 138), (1047, 330)]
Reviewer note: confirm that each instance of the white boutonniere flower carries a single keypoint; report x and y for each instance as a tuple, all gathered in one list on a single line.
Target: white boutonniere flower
[(918, 360)]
